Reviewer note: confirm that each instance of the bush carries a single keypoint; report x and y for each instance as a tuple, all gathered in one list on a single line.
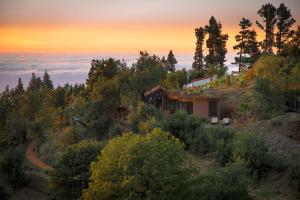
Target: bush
[(221, 140), (183, 126), (143, 113), (201, 143), (228, 183), (217, 141), (3, 194), (11, 167), (139, 167), (295, 169), (147, 126), (35, 129), (270, 101), (72, 170), (252, 149), (276, 76)]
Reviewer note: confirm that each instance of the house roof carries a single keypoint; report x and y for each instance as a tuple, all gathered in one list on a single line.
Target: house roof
[(199, 79), (154, 89), (182, 95)]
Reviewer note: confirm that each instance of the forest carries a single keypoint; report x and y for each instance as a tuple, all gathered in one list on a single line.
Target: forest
[(97, 153)]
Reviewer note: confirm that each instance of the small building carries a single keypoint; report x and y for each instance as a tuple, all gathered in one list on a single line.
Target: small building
[(169, 102), (201, 81)]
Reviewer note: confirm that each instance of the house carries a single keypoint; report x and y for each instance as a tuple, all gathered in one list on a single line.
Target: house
[(203, 105), (201, 81)]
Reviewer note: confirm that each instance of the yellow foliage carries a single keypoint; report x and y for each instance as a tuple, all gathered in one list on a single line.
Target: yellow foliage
[(269, 67), (273, 68), (128, 164)]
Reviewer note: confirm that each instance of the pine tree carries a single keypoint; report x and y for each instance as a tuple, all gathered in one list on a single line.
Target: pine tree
[(268, 13), (247, 45), (19, 89), (284, 23), (242, 38), (35, 83), (198, 58), (295, 41), (7, 91), (47, 83), (32, 82), (253, 47), (293, 46), (171, 60), (216, 44)]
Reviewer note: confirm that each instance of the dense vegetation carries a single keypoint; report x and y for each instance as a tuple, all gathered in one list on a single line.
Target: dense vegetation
[(99, 154)]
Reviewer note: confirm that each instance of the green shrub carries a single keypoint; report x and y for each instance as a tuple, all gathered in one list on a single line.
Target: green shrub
[(217, 141), (244, 83), (246, 108), (201, 143), (143, 113), (147, 126), (295, 169), (270, 101), (140, 167), (252, 149), (3, 194), (183, 126), (221, 140), (11, 167), (72, 170), (229, 183)]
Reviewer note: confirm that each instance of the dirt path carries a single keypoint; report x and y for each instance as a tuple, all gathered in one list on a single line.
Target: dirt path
[(31, 155)]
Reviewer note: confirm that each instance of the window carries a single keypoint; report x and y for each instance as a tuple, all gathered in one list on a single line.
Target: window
[(213, 108), (171, 105)]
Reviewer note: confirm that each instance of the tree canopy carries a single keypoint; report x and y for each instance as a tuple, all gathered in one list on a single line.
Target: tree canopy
[(139, 167)]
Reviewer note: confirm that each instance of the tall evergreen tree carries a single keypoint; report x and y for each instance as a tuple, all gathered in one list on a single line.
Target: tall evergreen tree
[(35, 83), (216, 44), (171, 62), (248, 50), (198, 58), (253, 47), (163, 60), (295, 41), (293, 46), (103, 69), (242, 38), (284, 23), (47, 83), (19, 88), (268, 13)]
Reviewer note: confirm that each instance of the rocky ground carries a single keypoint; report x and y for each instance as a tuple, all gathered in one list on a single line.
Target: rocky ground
[(282, 133)]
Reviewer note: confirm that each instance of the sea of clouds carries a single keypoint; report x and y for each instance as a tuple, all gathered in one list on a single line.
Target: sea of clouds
[(65, 68)]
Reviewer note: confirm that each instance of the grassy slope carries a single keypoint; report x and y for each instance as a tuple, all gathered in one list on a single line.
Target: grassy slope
[(277, 184)]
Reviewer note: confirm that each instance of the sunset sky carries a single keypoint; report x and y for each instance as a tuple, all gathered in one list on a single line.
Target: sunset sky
[(118, 26)]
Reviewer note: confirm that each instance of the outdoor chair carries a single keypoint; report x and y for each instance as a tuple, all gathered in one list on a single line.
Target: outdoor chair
[(214, 120), (226, 121)]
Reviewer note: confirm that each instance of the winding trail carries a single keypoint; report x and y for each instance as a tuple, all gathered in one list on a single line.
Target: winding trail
[(32, 156)]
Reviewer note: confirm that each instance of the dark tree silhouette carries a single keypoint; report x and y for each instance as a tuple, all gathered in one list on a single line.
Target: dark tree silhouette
[(216, 44), (19, 88), (35, 83), (47, 83), (253, 47), (198, 58), (242, 60), (171, 62), (247, 46), (268, 13), (284, 23)]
